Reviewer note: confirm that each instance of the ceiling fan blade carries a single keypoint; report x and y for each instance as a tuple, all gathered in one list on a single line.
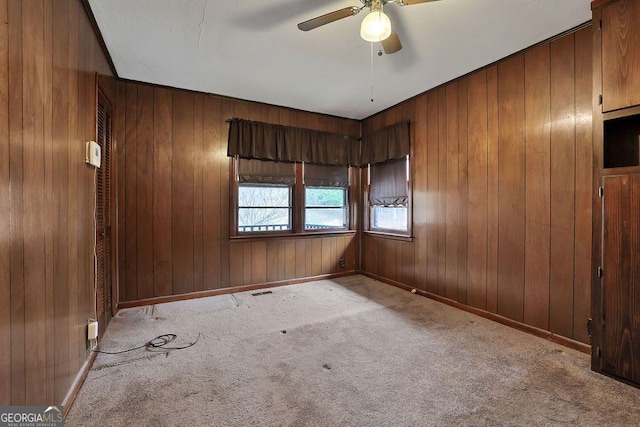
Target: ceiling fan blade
[(410, 2), (328, 18), (391, 44)]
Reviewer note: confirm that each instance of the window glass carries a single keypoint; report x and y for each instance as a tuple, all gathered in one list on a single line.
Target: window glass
[(325, 208), (389, 218), (264, 207), (389, 196)]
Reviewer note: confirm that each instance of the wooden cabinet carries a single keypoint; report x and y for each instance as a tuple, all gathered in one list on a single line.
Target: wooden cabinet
[(620, 49), (621, 277), (615, 291)]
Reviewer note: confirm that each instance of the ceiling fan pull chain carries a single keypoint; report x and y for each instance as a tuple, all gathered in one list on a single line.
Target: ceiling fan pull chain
[(371, 71)]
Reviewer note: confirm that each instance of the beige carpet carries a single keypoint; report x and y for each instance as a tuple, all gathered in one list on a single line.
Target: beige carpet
[(343, 352)]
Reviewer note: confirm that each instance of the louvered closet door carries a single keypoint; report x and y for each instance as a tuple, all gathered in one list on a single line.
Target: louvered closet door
[(103, 216)]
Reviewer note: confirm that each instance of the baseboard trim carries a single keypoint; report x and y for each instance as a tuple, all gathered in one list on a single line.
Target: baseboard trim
[(230, 290), (541, 333), (77, 383)]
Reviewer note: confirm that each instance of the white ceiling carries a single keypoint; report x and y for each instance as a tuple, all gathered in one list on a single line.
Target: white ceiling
[(252, 49)]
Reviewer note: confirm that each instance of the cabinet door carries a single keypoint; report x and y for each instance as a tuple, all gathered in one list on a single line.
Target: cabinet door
[(621, 277), (620, 54)]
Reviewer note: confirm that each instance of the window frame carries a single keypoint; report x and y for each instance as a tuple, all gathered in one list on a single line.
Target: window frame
[(298, 208), (367, 207), (289, 207), (344, 206)]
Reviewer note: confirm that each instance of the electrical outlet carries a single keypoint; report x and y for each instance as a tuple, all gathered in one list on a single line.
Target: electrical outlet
[(92, 330), (342, 264)]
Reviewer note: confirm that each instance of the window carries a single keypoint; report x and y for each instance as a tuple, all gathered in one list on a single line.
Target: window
[(389, 196), (326, 197), (278, 197), (325, 208), (264, 207)]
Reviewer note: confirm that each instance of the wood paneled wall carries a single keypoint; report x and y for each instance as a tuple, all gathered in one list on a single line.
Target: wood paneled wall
[(173, 197), (502, 185), (49, 54)]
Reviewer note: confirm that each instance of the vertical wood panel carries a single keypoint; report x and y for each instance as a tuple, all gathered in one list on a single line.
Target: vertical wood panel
[(282, 260), (326, 255), (272, 261), (247, 265), (584, 152), (212, 203), (462, 190), (18, 365), (290, 259), (420, 192), (48, 214), (433, 158), (236, 269), (259, 262), (198, 148), (130, 202), (34, 200), (228, 111), (301, 258), (60, 140), (144, 191), (119, 135), (308, 263), (492, 180), (182, 192), (511, 188), (162, 156), (562, 185), (5, 214), (442, 191), (317, 257), (538, 176), (451, 216), (477, 190)]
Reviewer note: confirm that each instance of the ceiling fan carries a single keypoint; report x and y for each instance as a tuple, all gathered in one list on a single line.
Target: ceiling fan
[(376, 26)]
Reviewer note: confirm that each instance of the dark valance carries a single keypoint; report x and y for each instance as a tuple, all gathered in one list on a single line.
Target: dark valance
[(256, 140), (389, 183), (389, 143)]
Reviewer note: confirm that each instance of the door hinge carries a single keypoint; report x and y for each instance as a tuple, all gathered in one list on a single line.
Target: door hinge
[(601, 192), (599, 352), (599, 99), (600, 272), (589, 321)]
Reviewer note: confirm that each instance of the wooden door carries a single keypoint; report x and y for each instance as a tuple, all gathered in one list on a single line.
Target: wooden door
[(620, 54), (621, 277), (104, 199)]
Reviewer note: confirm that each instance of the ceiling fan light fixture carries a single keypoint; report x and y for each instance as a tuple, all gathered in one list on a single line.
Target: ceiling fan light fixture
[(376, 26)]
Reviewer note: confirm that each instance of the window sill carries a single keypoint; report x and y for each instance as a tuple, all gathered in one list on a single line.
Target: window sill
[(287, 236), (392, 236)]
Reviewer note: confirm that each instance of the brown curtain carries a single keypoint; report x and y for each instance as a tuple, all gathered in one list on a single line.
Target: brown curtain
[(389, 143), (326, 175), (389, 183), (258, 171), (256, 140)]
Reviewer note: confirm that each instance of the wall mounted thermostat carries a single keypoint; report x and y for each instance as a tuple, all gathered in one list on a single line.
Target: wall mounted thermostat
[(94, 154)]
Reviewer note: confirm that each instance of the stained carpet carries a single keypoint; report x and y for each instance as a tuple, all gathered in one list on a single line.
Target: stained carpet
[(344, 352)]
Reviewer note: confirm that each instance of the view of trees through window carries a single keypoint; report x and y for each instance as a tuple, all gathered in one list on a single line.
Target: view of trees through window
[(389, 218), (325, 208), (264, 207)]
